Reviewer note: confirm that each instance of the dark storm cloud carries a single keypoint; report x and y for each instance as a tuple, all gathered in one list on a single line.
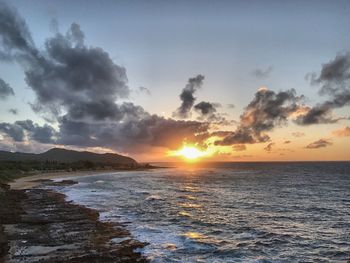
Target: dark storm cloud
[(43, 134), (81, 80), (133, 133), (187, 97), (262, 73), (137, 129), (5, 90), (67, 75), (20, 129), (267, 110), (15, 38), (79, 86), (14, 131), (321, 143), (334, 80)]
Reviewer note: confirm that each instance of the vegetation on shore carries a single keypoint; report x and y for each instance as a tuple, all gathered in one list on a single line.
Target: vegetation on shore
[(11, 170)]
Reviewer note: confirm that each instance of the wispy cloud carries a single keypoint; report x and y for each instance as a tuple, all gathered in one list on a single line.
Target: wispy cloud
[(344, 132), (321, 143), (144, 90), (262, 73), (13, 111), (298, 134), (5, 90)]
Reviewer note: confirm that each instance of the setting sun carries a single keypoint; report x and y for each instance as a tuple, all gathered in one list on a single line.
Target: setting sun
[(189, 153), (186, 120)]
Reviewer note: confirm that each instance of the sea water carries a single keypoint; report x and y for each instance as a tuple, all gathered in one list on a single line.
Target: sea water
[(229, 212)]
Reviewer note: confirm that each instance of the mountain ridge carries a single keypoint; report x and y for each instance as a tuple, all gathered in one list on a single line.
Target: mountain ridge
[(68, 156)]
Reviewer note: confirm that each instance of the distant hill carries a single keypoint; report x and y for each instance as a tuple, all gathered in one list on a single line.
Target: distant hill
[(67, 156)]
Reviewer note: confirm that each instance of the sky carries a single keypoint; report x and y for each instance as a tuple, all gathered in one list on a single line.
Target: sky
[(239, 80)]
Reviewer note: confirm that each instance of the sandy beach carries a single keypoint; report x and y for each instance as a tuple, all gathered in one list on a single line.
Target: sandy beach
[(29, 182)]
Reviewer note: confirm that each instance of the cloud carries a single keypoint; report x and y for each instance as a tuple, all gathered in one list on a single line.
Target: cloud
[(14, 131), (5, 90), (67, 76), (19, 130), (43, 134), (144, 90), (268, 148), (15, 38), (321, 143), (242, 156), (9, 145), (344, 132), (262, 73), (319, 114), (240, 136), (83, 92), (133, 134), (239, 147), (267, 110), (208, 111), (334, 80), (82, 81), (13, 111), (206, 108), (80, 86), (334, 73), (298, 134), (187, 97)]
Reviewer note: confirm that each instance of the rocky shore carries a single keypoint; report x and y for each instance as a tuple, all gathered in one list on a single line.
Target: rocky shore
[(39, 225)]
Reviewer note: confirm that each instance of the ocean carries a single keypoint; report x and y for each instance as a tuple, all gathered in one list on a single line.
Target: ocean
[(229, 212)]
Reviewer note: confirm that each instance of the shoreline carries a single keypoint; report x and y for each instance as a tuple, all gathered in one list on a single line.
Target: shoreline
[(28, 182), (39, 224), (33, 180)]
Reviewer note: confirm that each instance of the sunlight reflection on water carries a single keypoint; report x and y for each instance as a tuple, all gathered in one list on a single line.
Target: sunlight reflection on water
[(238, 213)]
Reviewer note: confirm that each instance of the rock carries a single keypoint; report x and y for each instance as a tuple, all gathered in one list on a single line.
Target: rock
[(38, 225)]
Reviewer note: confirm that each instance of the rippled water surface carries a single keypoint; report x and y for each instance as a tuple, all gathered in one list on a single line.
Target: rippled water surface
[(247, 212)]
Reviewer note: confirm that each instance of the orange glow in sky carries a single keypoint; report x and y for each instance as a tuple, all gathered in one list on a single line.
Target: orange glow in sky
[(189, 153)]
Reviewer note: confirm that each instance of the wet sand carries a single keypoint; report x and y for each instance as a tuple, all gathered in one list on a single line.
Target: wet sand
[(39, 225)]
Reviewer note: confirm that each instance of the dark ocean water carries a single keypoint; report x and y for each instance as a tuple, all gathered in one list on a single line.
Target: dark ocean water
[(229, 212)]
